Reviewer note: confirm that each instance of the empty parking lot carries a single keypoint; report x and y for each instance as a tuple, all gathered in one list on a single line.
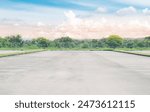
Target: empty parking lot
[(75, 73)]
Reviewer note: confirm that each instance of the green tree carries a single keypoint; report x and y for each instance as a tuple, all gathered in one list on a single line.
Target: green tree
[(1, 42), (102, 43), (41, 42), (114, 41), (129, 43), (85, 44), (64, 42), (147, 41), (94, 43), (140, 43), (13, 41), (147, 38)]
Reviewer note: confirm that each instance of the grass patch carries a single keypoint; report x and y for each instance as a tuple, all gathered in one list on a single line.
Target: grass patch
[(20, 53), (134, 53), (21, 49), (133, 49)]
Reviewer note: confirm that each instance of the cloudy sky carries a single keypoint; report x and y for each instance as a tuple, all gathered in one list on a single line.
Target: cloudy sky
[(75, 18)]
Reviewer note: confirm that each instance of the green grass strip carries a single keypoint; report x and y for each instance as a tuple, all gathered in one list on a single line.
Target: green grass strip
[(20, 53), (134, 53)]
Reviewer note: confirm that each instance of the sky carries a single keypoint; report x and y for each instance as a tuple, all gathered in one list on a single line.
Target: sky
[(75, 18)]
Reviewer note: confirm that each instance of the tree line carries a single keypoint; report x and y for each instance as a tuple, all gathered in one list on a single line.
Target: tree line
[(113, 41)]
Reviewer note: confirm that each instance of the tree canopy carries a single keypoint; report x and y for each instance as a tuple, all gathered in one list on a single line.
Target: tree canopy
[(113, 41)]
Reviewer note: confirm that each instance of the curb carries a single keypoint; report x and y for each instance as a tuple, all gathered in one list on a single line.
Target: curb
[(21, 53), (139, 54)]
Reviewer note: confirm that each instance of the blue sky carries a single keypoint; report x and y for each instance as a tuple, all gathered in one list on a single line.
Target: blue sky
[(86, 5), (130, 17)]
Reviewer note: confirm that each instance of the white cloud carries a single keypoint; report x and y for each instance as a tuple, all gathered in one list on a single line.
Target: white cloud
[(102, 26), (40, 24), (16, 24), (71, 18), (146, 11), (101, 10), (127, 11), (76, 27), (70, 15), (72, 23)]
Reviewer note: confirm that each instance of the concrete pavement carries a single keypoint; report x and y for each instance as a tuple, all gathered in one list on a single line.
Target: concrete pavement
[(75, 73)]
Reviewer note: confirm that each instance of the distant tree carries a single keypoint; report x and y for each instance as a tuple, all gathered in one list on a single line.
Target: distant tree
[(94, 43), (147, 41), (128, 43), (41, 42), (85, 44), (102, 43), (147, 38), (52, 44), (64, 42), (114, 41), (13, 41), (140, 43), (1, 42), (77, 43)]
